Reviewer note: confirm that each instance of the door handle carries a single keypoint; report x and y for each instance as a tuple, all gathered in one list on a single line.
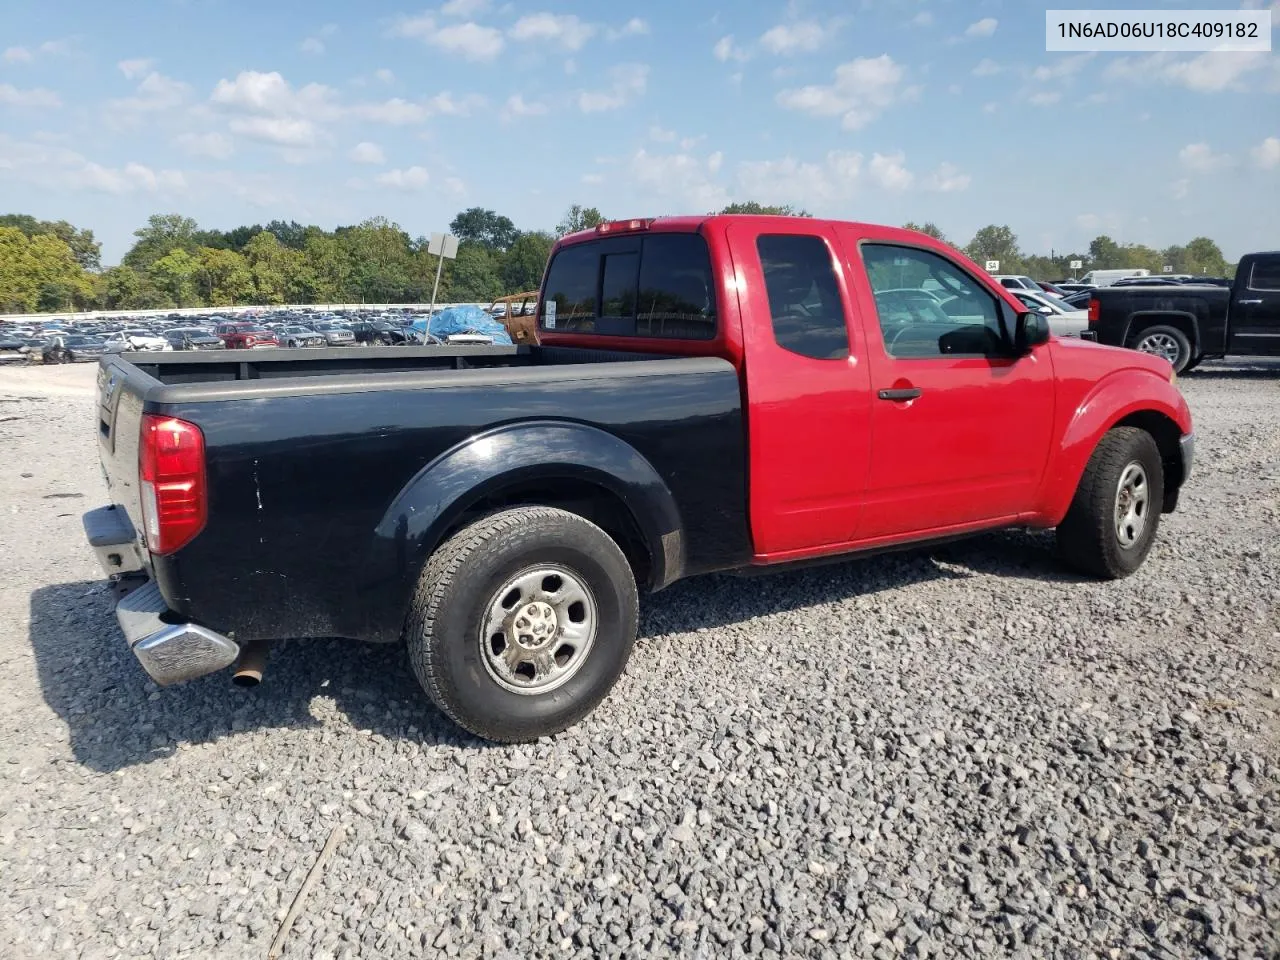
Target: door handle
[(903, 393), (1243, 303)]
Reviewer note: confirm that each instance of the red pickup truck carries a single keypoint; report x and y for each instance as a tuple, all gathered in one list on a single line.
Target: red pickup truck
[(246, 335), (708, 393)]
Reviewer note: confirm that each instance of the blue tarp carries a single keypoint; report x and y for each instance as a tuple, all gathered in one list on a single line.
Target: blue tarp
[(463, 320)]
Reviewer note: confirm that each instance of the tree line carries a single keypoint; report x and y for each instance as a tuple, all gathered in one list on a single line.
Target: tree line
[(173, 262)]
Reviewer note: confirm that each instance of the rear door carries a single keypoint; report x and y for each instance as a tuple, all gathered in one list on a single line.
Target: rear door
[(1255, 307), (807, 388), (961, 428)]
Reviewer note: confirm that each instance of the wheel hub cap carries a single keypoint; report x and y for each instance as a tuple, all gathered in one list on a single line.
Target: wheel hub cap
[(1160, 344), (1133, 496), (537, 629)]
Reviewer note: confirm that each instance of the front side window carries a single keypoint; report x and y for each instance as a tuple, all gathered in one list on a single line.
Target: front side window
[(804, 297), (930, 307)]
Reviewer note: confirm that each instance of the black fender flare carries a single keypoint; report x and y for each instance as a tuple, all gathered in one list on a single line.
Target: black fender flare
[(1140, 315), (485, 463)]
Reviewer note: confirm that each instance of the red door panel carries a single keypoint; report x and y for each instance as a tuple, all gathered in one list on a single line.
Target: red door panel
[(808, 418), (957, 439)]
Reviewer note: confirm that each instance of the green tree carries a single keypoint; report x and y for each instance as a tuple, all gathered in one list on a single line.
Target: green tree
[(19, 287), (928, 228), (175, 275), (381, 259), (523, 264), (996, 243), (1204, 256), (766, 209), (328, 268), (276, 270), (87, 250), (164, 232), (474, 276), (484, 227), (578, 217), (1105, 254), (224, 277)]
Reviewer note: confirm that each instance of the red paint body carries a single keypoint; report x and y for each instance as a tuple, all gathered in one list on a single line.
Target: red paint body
[(989, 442)]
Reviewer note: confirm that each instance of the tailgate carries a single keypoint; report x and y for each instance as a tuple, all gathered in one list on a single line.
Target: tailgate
[(122, 389)]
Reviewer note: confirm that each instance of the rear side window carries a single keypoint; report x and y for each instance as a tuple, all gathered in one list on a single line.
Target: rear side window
[(1265, 274), (804, 299), (655, 285)]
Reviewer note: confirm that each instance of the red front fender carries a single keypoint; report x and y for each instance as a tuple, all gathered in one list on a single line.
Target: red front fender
[(1117, 396)]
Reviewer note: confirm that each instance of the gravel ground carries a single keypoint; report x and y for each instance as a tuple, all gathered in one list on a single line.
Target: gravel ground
[(958, 752)]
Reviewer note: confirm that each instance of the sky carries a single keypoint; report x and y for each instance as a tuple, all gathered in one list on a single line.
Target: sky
[(885, 111)]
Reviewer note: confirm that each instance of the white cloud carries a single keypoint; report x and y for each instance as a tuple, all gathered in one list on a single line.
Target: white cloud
[(629, 80), (312, 45), (132, 69), (212, 144), (17, 55), (789, 38), (395, 112), (1180, 188), (56, 167), (990, 107), (592, 179), (947, 178), (366, 152), (837, 177), (1044, 98), (726, 50), (517, 106), (464, 8), (271, 94), (566, 30), (714, 162), (1199, 157), (409, 179), (955, 89), (455, 186), (986, 68), (1205, 73), (469, 40), (662, 136), (328, 30), (679, 177), (1062, 67), (1267, 154), (35, 97), (862, 89), (280, 131), (56, 47), (155, 94), (632, 28), (982, 28), (890, 172), (385, 75), (922, 19)]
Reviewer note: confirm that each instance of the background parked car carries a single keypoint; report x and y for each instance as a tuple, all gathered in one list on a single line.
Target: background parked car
[(294, 336), (246, 335), (380, 332), (13, 349), (136, 338), (1064, 321), (335, 334), (193, 338), (73, 348)]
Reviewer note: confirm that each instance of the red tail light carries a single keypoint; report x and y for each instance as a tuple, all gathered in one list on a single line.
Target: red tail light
[(1095, 311), (175, 502)]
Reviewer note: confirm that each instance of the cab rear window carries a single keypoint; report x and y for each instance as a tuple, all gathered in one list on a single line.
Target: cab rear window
[(653, 285)]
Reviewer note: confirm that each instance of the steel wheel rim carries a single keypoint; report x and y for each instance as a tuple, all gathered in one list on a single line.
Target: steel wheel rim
[(1160, 345), (1133, 504), (538, 629)]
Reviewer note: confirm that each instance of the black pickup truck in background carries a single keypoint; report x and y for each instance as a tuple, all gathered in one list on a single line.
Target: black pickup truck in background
[(1187, 324)]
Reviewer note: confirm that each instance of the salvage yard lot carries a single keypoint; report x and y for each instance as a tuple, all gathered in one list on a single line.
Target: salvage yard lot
[(958, 751)]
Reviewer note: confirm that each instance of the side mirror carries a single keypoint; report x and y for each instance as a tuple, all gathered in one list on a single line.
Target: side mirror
[(1044, 311), (1032, 330)]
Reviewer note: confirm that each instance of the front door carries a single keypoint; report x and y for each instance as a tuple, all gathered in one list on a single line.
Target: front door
[(1255, 309), (961, 428)]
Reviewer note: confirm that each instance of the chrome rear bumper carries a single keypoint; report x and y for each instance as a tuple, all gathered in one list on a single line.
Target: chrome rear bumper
[(170, 652)]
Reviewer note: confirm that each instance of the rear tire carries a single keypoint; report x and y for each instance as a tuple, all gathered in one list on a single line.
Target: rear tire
[(1165, 341), (509, 676), (1112, 522)]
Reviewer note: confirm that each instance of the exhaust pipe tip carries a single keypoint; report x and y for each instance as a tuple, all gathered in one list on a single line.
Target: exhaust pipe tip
[(250, 665)]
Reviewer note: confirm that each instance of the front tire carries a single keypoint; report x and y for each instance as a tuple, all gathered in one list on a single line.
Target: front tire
[(1168, 342), (522, 623), (1112, 522)]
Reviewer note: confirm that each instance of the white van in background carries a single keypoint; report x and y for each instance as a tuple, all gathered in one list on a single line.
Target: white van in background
[(1105, 278)]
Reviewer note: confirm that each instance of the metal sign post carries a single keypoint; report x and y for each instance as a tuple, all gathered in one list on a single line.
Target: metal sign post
[(445, 247)]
